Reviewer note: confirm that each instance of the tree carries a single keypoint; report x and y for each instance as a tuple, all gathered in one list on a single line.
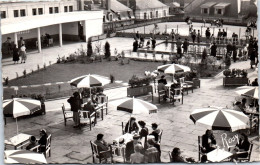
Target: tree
[(89, 51), (107, 50)]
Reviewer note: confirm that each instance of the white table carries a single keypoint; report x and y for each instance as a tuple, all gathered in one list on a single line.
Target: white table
[(218, 155), (18, 140)]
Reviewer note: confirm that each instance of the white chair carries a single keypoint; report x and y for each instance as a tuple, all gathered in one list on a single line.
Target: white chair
[(87, 119), (176, 94), (186, 85), (67, 114)]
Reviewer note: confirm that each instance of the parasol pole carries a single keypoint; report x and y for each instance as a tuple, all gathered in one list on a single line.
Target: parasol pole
[(16, 125), (89, 86)]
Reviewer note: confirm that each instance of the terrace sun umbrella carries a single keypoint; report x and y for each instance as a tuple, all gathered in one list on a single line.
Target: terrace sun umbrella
[(173, 68), (249, 91), (218, 118), (20, 107), (137, 106), (23, 157)]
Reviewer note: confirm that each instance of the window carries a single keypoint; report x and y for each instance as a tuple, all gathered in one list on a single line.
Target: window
[(16, 13), (51, 10), (56, 9), (110, 17), (156, 14), (22, 12), (219, 11), (145, 16), (3, 14), (40, 11), (151, 14), (205, 11), (70, 8), (34, 12), (129, 14), (104, 18), (65, 8), (164, 12)]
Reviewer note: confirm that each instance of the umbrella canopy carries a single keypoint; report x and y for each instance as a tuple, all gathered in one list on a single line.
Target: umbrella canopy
[(218, 118), (250, 91), (20, 107), (88, 81), (23, 157), (137, 106), (173, 68)]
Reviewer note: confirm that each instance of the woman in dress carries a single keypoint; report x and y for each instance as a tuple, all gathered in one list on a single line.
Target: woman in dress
[(15, 54), (23, 53)]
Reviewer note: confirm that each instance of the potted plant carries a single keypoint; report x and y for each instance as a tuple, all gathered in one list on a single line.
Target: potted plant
[(235, 77), (243, 73), (227, 72), (139, 86)]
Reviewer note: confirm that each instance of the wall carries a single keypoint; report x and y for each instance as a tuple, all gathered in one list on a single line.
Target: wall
[(139, 14), (92, 28), (70, 31)]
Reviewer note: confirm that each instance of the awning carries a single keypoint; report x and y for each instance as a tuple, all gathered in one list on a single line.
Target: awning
[(207, 5), (221, 5)]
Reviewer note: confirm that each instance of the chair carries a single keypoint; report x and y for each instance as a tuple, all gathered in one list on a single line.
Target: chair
[(36, 148), (47, 147), (96, 153), (161, 91), (99, 110), (170, 155), (87, 119), (200, 149), (103, 100), (176, 94), (186, 85), (160, 137), (118, 154), (67, 114), (248, 156)]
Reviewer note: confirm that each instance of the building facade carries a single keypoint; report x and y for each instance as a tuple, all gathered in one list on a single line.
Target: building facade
[(62, 20)]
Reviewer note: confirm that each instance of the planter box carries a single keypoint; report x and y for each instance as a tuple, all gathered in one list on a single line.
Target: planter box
[(239, 81), (196, 82), (139, 91)]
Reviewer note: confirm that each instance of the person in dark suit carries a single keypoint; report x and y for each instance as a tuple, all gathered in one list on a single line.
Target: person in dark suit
[(15, 54), (144, 130), (155, 132), (43, 140), (89, 106), (213, 50), (102, 145), (242, 147), (153, 43), (234, 49), (75, 105), (32, 143), (130, 147), (135, 45), (133, 126), (162, 80), (208, 141)]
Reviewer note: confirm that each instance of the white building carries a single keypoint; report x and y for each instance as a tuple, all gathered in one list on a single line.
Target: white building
[(62, 20), (150, 9)]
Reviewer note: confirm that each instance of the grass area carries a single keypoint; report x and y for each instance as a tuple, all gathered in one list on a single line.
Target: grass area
[(68, 71)]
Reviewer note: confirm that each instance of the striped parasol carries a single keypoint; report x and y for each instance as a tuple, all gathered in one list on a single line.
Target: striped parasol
[(249, 91), (23, 157), (88, 81), (20, 107), (137, 106), (173, 68), (218, 118)]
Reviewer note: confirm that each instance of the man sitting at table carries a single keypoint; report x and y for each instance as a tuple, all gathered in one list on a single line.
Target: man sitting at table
[(32, 144), (102, 146), (130, 147), (242, 147), (162, 80), (208, 142), (43, 140), (144, 130), (133, 126), (89, 107), (155, 132), (176, 155), (255, 82), (137, 157)]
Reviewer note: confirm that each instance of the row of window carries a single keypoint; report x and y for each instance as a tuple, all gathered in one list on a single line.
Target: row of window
[(35, 11), (206, 11), (156, 14)]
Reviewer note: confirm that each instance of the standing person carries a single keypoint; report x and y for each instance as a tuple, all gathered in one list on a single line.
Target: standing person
[(191, 29), (135, 45), (252, 57), (193, 36), (148, 43), (173, 34), (23, 54), (137, 35), (207, 34), (9, 45), (198, 36), (234, 50), (229, 47), (245, 53), (178, 44), (15, 54), (185, 45), (213, 50), (219, 36), (21, 42), (153, 42), (75, 106)]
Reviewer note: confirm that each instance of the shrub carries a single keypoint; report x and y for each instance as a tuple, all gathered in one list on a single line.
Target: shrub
[(107, 50), (243, 73), (89, 50), (6, 80), (227, 72), (139, 82)]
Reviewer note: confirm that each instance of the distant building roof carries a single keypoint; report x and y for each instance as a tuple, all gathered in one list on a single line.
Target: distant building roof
[(222, 5), (208, 4), (173, 4), (149, 4), (117, 6)]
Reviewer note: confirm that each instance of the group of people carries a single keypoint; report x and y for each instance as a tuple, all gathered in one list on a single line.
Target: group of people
[(139, 42), (76, 102), (33, 142), (45, 39), (18, 52)]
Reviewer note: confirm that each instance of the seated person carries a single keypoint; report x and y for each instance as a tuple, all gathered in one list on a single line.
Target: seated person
[(89, 106), (102, 146), (137, 157), (204, 159), (152, 154), (144, 130), (94, 99), (162, 80), (255, 82), (240, 106), (130, 147), (32, 144), (208, 142), (176, 155), (242, 147), (43, 140), (132, 127), (155, 132)]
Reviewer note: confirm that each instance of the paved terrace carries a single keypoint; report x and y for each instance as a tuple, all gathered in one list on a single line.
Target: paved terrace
[(71, 145)]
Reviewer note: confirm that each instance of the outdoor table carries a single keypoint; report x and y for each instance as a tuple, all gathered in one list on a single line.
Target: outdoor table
[(127, 138), (18, 140), (218, 155)]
